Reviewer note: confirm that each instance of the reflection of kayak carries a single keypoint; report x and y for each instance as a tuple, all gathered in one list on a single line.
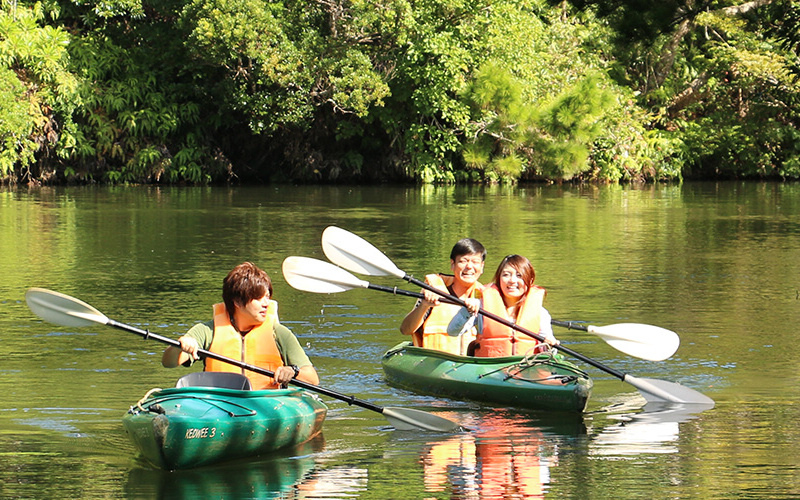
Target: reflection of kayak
[(543, 382), (191, 426), (275, 476)]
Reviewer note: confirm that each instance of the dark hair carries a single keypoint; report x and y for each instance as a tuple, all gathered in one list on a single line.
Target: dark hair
[(521, 264), (244, 283), (467, 246)]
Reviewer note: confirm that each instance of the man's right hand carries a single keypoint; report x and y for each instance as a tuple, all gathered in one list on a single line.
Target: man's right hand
[(190, 346)]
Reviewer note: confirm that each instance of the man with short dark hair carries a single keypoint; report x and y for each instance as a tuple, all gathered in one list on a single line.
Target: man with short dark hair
[(427, 322), (246, 328)]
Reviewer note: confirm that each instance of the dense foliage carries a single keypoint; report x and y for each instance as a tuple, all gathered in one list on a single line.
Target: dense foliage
[(197, 91)]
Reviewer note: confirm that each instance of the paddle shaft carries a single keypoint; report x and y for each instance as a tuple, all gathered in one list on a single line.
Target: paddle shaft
[(351, 400), (565, 324), (569, 325), (456, 300)]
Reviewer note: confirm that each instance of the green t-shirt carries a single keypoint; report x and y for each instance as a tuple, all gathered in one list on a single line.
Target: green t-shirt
[(291, 351)]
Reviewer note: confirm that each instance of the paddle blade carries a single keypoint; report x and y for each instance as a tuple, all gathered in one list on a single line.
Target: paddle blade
[(317, 276), (354, 253), (406, 419), (643, 341), (62, 309), (661, 390)]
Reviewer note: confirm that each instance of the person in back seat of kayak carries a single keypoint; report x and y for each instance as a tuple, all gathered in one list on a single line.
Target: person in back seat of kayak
[(513, 296), (428, 322), (246, 328)]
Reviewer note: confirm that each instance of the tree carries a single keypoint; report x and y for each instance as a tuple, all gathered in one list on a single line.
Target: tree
[(719, 76), (37, 92)]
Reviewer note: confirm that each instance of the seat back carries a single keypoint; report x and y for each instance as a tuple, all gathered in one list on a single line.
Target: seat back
[(224, 380)]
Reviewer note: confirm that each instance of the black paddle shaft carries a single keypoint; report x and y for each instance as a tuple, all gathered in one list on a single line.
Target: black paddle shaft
[(454, 299), (406, 293), (397, 291), (351, 400)]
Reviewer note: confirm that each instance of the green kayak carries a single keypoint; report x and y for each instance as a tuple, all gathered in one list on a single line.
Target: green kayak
[(541, 382), (187, 427)]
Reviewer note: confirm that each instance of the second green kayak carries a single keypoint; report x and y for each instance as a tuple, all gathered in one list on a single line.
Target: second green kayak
[(542, 382)]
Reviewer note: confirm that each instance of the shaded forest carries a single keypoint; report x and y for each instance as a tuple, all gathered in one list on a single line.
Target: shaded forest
[(434, 91)]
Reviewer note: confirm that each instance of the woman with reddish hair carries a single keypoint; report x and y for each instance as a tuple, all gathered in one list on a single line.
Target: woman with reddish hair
[(512, 295)]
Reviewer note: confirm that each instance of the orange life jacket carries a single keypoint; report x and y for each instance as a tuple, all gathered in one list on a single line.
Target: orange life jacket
[(509, 468), (497, 339), (456, 455), (434, 329), (257, 347), (489, 466)]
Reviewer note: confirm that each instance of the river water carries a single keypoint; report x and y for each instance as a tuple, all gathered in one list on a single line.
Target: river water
[(719, 263)]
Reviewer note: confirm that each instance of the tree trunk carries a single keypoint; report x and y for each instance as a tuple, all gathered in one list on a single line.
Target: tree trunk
[(667, 60)]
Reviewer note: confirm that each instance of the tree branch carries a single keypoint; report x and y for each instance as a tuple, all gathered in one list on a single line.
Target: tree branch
[(688, 95), (738, 10)]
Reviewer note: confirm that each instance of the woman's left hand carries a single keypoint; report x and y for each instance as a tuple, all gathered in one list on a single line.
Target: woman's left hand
[(473, 305)]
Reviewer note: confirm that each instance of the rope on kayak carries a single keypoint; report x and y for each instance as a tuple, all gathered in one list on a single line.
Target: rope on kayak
[(145, 397), (537, 359), (564, 379), (495, 371), (530, 361), (533, 358), (211, 401)]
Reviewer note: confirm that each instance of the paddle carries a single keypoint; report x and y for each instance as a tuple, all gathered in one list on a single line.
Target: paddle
[(649, 342), (68, 311), (643, 341), (356, 254)]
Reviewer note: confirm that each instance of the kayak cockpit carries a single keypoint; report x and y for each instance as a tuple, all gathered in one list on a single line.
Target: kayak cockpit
[(223, 380)]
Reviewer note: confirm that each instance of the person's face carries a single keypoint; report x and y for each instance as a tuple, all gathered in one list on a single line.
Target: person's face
[(467, 268), (511, 283), (256, 309)]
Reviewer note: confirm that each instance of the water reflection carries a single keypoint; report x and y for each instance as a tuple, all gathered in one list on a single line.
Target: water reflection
[(653, 430), (289, 474), (711, 261), (507, 456)]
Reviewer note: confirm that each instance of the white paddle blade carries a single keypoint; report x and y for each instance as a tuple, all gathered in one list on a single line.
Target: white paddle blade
[(62, 309), (643, 341), (661, 390), (356, 254), (312, 275), (406, 419)]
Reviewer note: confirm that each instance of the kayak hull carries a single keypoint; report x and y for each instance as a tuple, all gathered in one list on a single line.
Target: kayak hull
[(189, 427), (542, 382)]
